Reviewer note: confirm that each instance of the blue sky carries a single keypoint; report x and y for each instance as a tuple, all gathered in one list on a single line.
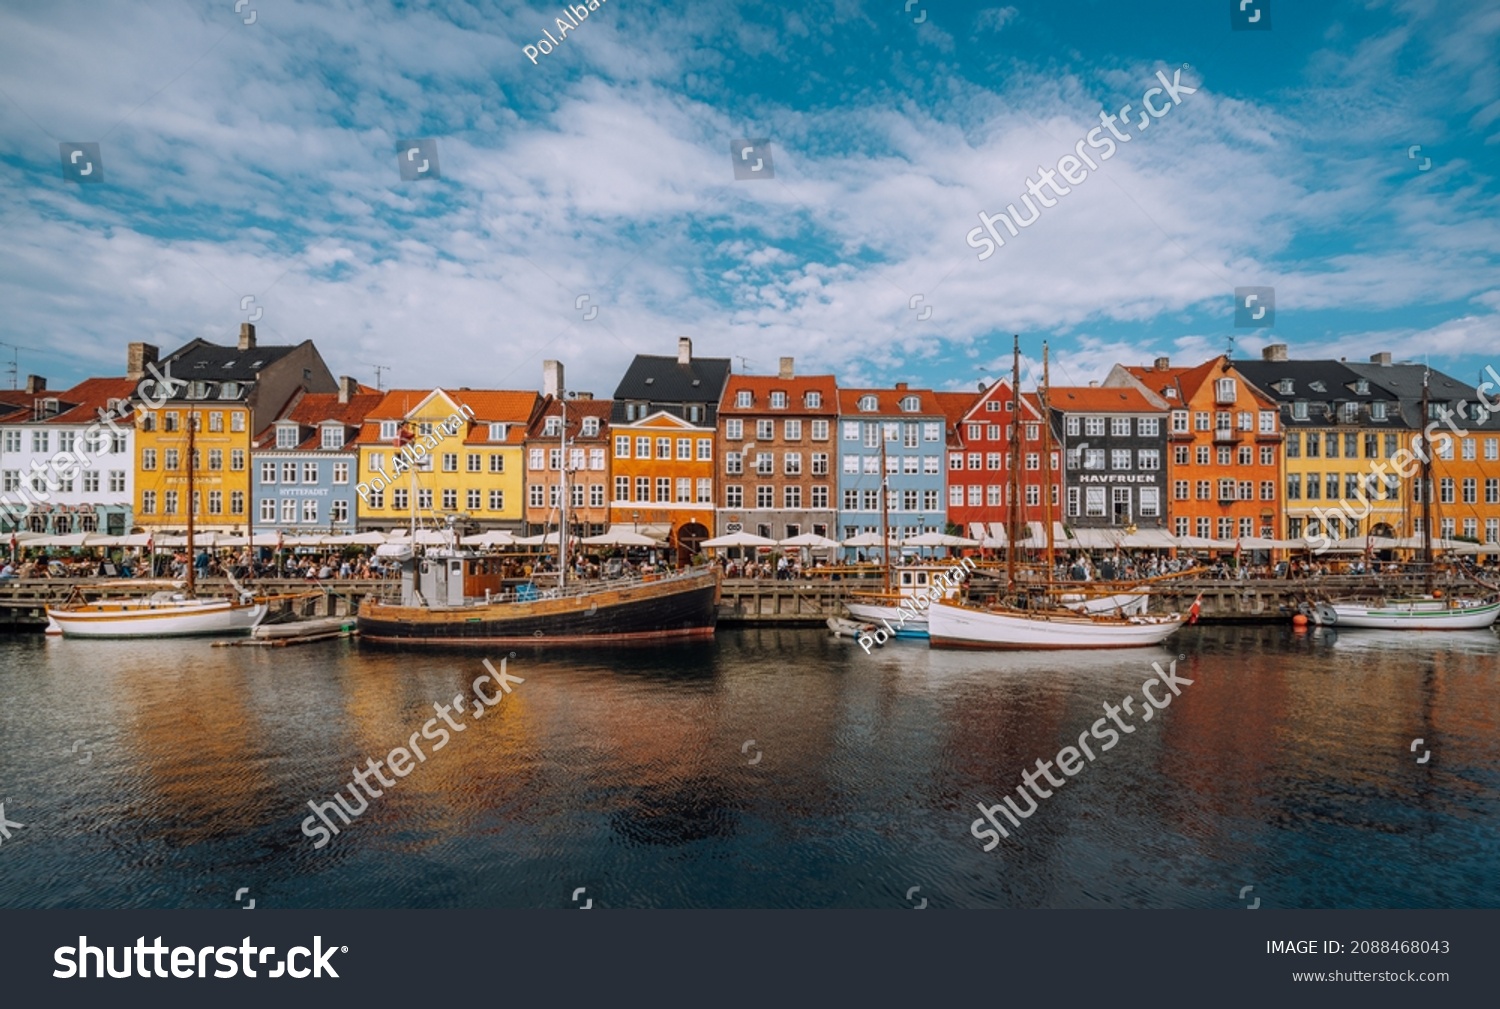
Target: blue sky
[(260, 160)]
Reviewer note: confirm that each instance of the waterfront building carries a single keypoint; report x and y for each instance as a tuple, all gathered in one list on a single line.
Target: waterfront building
[(909, 423), (776, 434), (1466, 457), (955, 406), (664, 424), (461, 447), (303, 464), (233, 392), (66, 458), (587, 458), (1340, 430), (1114, 444), (1225, 438), (980, 494)]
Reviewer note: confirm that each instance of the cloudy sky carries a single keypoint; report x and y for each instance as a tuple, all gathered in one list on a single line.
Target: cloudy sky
[(1346, 157)]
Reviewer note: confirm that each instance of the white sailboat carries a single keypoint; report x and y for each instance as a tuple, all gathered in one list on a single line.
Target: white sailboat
[(175, 611), (1035, 620)]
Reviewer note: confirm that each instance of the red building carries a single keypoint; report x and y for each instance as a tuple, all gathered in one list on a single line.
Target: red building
[(980, 495)]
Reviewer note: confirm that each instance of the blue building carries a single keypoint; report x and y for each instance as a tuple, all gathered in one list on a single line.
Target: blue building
[(910, 422), (304, 465)]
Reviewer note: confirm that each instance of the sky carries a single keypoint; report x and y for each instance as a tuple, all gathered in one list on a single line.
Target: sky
[(596, 201)]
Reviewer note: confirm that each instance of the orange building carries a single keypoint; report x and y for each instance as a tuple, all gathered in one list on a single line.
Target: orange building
[(1224, 445)]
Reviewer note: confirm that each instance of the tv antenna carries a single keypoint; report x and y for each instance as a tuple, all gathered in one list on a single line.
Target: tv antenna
[(13, 366), (745, 364), (380, 369)]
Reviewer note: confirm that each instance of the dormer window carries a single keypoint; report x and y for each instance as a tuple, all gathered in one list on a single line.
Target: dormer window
[(1169, 393), (497, 432), (813, 400), (333, 436), (229, 390), (1377, 411), (197, 390), (911, 404), (1224, 391), (1285, 386), (1299, 410), (116, 406), (1350, 411), (778, 400), (743, 399), (1318, 386), (868, 404), (388, 430), (286, 436), (1362, 387), (651, 381), (552, 427), (590, 427)]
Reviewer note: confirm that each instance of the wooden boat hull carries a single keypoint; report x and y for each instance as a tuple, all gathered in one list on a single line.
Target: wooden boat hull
[(641, 611), (904, 623), (158, 618), (1409, 615), (953, 626)]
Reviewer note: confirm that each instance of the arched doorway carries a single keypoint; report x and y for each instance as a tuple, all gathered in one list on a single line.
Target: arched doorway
[(689, 537)]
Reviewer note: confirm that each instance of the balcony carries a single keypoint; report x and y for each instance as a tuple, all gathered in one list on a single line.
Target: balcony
[(1226, 434)]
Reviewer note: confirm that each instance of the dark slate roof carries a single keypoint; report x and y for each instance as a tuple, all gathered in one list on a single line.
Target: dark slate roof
[(1340, 384), (665, 384), (1406, 381), (201, 361)]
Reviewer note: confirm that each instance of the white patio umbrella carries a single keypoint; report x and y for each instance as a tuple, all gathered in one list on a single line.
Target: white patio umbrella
[(621, 538), (872, 540), (939, 540), (491, 538), (809, 540), (740, 539), (366, 539)]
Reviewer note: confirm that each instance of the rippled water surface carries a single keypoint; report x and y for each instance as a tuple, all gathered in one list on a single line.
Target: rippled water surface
[(769, 768)]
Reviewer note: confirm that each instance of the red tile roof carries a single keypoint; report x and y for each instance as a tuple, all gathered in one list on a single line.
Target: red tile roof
[(314, 408), (761, 387), (888, 401), (577, 410), (1100, 399), (83, 402)]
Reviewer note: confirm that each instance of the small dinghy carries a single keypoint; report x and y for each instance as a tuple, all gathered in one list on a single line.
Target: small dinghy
[(844, 628)]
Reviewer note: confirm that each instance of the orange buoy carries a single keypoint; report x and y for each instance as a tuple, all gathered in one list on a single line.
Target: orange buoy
[(1298, 620)]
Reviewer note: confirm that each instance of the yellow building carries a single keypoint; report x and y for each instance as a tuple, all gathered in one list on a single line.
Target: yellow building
[(463, 452), (231, 392)]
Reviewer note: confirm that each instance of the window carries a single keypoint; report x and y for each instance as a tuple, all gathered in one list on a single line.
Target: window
[(820, 430), (955, 496), (642, 447), (1119, 458), (596, 458), (743, 399), (1470, 490), (1201, 420), (976, 495), (1094, 502), (622, 446), (1148, 427), (216, 502), (1149, 458), (1120, 427), (1075, 496), (1245, 456), (974, 430), (40, 440), (1224, 391), (932, 431), (663, 448), (622, 488), (1445, 490), (148, 502), (734, 495), (974, 458), (1093, 427), (930, 463), (778, 400), (765, 496), (310, 510), (1294, 445), (791, 497), (911, 404), (1180, 490), (1179, 422), (1491, 490), (820, 496), (867, 404), (148, 459), (424, 499), (792, 463), (1245, 420), (1491, 449), (664, 489), (1332, 445), (705, 490), (216, 458), (765, 463), (117, 481), (955, 460), (473, 462), (684, 448), (684, 490), (1093, 458), (1314, 486), (1314, 444), (1267, 455), (536, 458), (851, 430), (820, 464), (1181, 456), (1204, 490), (171, 459), (1470, 448)]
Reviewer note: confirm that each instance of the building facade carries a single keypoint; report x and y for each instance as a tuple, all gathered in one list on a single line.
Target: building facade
[(980, 493), (575, 453), (229, 392), (906, 427), (303, 466), (1225, 438), (1114, 443), (462, 459), (776, 464), (664, 427)]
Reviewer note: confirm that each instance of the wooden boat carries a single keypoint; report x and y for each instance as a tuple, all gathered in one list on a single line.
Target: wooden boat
[(1422, 613), (843, 628), (909, 620), (952, 625)]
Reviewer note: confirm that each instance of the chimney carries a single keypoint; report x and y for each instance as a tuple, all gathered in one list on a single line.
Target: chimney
[(1094, 384), (35, 383), (786, 368), (900, 385), (1163, 363), (247, 336), (684, 350), (1382, 358), (1273, 352), (348, 388), (583, 395), (137, 356), (552, 379)]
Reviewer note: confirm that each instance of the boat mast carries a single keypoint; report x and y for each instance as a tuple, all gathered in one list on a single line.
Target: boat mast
[(1047, 463), (562, 497), (192, 424), (885, 514), (1427, 489), (1012, 530)]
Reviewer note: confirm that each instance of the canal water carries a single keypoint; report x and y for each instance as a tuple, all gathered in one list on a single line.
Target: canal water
[(767, 768)]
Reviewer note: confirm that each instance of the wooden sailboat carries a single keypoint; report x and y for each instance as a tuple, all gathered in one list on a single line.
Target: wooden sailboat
[(453, 596), (1431, 611), (1030, 616), (168, 612)]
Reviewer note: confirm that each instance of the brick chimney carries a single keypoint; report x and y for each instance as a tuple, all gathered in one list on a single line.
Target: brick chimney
[(247, 336), (137, 356), (1382, 358), (35, 383), (1273, 352), (348, 388), (684, 350), (1163, 363), (900, 385), (786, 370), (552, 379)]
